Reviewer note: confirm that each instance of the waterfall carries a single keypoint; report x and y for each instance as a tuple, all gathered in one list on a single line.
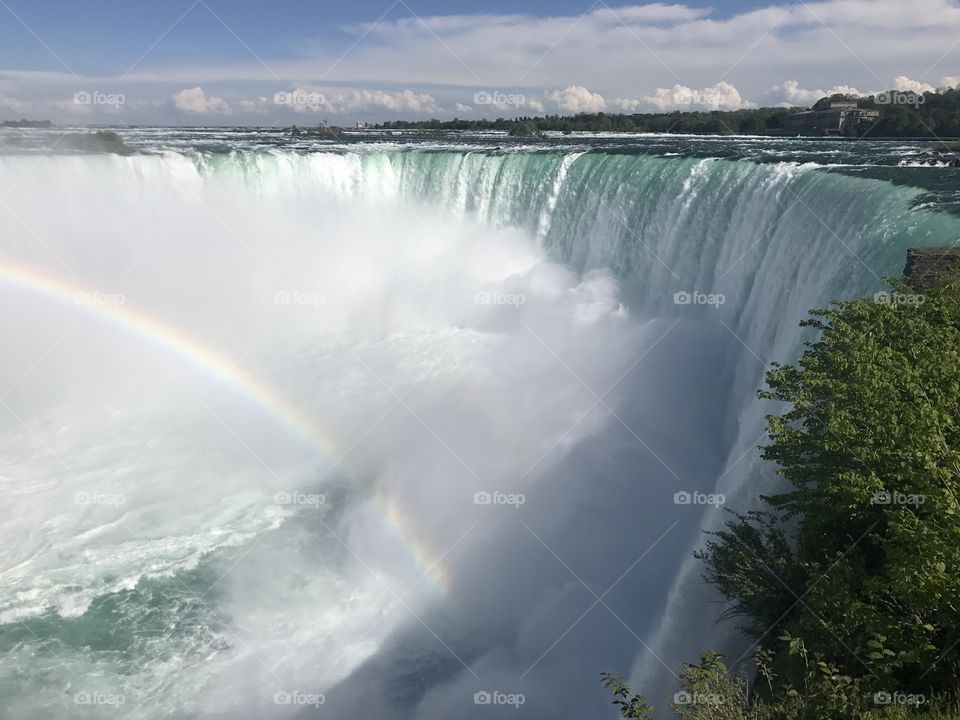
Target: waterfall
[(672, 281)]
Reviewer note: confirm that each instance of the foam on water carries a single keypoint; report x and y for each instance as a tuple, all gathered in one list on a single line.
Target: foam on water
[(450, 318)]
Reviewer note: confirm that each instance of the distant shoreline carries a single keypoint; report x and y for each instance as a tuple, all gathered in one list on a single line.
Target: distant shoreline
[(893, 115), (501, 134)]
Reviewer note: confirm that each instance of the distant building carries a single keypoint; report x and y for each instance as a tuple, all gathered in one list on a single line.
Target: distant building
[(361, 125), (840, 117)]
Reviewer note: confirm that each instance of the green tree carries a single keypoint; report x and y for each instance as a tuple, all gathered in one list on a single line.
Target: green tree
[(630, 704), (752, 563), (870, 447)]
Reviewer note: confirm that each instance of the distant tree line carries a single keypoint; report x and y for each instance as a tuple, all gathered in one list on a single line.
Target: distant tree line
[(26, 123), (936, 116), (932, 115), (760, 121)]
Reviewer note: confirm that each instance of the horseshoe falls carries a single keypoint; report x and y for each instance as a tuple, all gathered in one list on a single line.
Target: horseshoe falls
[(382, 427)]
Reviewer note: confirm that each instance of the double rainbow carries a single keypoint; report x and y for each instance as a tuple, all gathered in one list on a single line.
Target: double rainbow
[(224, 370)]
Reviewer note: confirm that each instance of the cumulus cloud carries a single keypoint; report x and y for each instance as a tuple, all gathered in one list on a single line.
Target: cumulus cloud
[(901, 82), (577, 99), (756, 49), (536, 105), (196, 101), (790, 93), (629, 105), (11, 104), (721, 96), (355, 101), (300, 100), (345, 101), (504, 102), (259, 106)]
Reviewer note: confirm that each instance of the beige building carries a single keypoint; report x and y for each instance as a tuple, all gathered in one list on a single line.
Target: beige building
[(843, 117)]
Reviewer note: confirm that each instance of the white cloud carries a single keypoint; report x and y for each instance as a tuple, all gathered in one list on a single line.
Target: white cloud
[(577, 99), (260, 106), (628, 105), (355, 101), (656, 48), (722, 96), (536, 105), (905, 84), (790, 93), (901, 82), (300, 100), (196, 101), (507, 103), (648, 44), (13, 105), (653, 13)]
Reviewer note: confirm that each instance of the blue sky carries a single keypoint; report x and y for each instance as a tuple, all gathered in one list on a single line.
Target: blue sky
[(186, 61), (105, 37)]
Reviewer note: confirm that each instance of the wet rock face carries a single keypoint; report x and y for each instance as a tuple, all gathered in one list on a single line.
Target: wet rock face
[(928, 267)]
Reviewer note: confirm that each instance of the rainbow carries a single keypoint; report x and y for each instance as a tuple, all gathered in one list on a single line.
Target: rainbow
[(224, 370), (427, 562), (176, 341)]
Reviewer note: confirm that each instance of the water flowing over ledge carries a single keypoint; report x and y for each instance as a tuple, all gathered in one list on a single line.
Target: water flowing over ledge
[(675, 281)]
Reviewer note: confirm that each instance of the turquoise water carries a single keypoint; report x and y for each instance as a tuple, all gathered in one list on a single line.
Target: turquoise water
[(775, 226)]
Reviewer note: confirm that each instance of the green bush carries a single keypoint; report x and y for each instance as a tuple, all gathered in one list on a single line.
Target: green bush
[(850, 583)]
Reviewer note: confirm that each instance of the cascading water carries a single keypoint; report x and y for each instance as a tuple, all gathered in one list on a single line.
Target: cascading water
[(250, 397)]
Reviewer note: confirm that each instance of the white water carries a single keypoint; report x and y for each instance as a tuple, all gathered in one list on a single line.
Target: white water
[(425, 395)]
